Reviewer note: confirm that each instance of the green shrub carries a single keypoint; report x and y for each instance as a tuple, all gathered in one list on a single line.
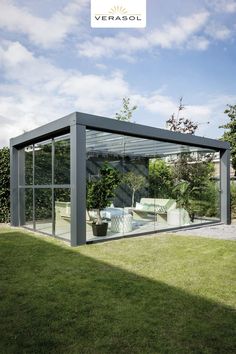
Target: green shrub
[(233, 199), (161, 180), (210, 199), (4, 185)]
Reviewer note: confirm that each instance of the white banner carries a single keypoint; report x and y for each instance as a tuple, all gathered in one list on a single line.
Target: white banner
[(118, 13)]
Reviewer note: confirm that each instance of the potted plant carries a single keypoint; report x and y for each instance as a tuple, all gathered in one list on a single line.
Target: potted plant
[(99, 195)]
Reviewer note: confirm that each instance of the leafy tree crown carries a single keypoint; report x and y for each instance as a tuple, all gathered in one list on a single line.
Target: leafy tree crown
[(126, 111)]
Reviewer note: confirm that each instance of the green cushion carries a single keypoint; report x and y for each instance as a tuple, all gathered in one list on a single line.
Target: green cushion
[(160, 209), (154, 208), (148, 207)]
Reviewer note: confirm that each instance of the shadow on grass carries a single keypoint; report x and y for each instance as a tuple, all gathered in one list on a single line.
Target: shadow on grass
[(55, 300)]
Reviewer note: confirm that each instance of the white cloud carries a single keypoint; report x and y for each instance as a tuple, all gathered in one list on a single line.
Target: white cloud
[(217, 31), (225, 6), (171, 35), (178, 34), (162, 106), (198, 43), (14, 54), (36, 91), (49, 92), (101, 66), (41, 31), (19, 64), (156, 103), (230, 7), (165, 106)]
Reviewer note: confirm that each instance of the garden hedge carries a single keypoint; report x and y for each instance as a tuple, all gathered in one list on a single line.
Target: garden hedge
[(4, 185)]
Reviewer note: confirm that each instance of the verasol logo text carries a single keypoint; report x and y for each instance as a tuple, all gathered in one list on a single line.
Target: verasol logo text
[(118, 13)]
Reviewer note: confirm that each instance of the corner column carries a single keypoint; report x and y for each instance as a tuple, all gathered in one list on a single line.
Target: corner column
[(225, 186), (14, 192), (78, 184)]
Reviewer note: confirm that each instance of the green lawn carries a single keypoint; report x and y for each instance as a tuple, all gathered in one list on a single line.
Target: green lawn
[(165, 294)]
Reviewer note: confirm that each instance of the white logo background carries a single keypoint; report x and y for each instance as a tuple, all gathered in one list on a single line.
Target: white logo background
[(135, 10)]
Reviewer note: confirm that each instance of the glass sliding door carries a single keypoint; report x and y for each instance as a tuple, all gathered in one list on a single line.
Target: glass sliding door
[(28, 172), (44, 182), (136, 177), (43, 163), (62, 160), (62, 212), (43, 210), (26, 196)]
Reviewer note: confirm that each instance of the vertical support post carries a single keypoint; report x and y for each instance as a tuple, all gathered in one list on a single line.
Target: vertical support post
[(34, 223), (225, 186), (14, 193), (78, 184), (21, 182), (53, 189)]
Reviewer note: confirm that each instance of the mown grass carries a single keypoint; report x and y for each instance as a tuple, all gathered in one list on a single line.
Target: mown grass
[(165, 294)]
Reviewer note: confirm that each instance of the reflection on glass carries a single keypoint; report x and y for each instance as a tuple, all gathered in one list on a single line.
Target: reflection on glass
[(62, 212), (194, 189), (43, 163), (163, 185), (62, 160), (26, 207), (43, 210), (136, 183), (28, 165), (29, 207), (36, 170)]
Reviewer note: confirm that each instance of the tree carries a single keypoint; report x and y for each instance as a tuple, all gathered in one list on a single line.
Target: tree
[(4, 185), (161, 181), (181, 124), (197, 171), (126, 111), (135, 183), (230, 134)]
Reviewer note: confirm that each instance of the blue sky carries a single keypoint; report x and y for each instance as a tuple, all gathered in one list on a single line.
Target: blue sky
[(53, 63)]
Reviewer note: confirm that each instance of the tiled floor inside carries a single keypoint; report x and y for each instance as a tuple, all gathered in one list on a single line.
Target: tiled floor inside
[(138, 226)]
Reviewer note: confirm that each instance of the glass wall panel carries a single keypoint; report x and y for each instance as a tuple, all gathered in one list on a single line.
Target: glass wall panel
[(62, 160), (43, 163), (162, 185), (134, 185), (37, 165), (129, 158), (62, 212), (26, 207), (43, 209), (188, 179), (207, 202), (106, 190), (140, 204), (28, 165), (217, 197), (29, 211)]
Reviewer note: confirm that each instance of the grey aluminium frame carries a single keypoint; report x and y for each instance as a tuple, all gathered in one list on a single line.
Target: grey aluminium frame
[(77, 123)]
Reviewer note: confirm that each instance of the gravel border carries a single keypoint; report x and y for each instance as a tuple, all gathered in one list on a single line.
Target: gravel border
[(220, 231)]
